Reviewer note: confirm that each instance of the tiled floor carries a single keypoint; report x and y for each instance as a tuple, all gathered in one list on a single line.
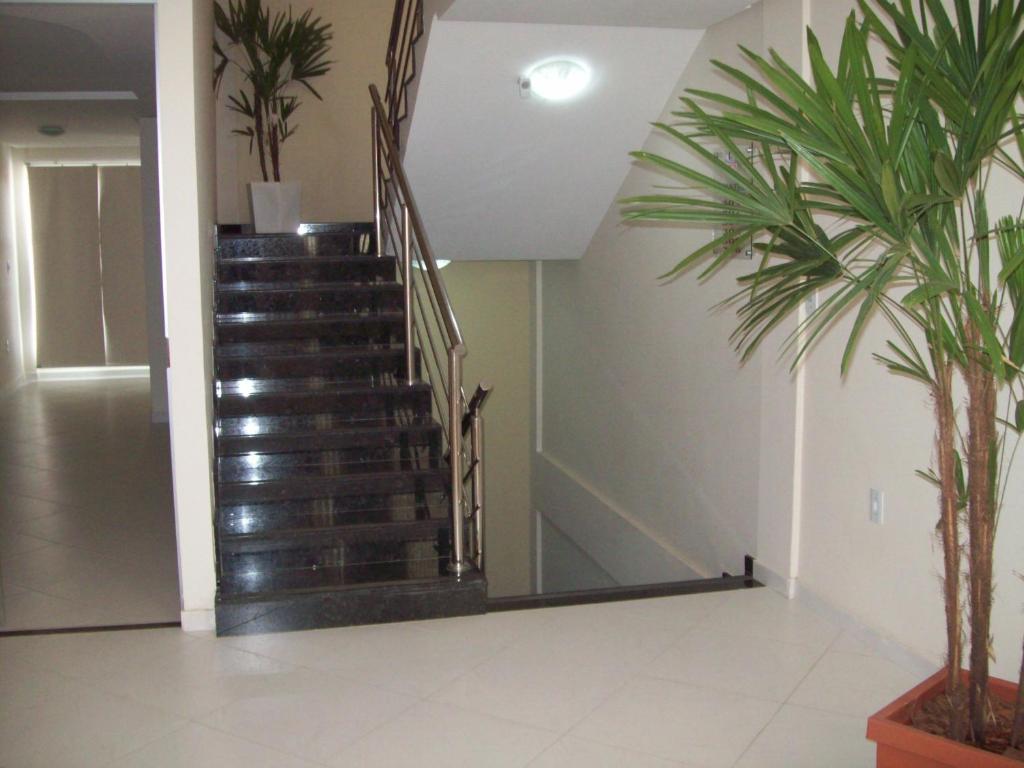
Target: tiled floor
[(86, 514), (742, 679)]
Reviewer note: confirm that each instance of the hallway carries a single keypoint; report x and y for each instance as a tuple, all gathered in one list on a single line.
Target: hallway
[(86, 511)]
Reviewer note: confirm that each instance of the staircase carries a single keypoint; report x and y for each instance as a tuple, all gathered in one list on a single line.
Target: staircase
[(332, 478)]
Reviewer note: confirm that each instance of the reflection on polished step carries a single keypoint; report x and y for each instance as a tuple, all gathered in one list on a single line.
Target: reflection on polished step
[(332, 486)]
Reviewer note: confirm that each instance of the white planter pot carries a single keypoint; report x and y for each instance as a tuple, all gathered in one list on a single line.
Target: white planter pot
[(276, 206)]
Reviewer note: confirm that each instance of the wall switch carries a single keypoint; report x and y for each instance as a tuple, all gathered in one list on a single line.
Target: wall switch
[(811, 303), (877, 506)]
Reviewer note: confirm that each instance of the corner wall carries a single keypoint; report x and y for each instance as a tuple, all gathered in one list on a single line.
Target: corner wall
[(649, 432), (12, 369), (187, 196)]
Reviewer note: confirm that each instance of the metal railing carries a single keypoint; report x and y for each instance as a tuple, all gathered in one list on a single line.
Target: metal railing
[(431, 330), (406, 29)]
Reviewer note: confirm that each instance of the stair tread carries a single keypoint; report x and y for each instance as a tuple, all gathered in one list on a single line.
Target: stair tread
[(365, 470), (308, 316), (313, 385), (268, 468), (309, 285), (337, 257), (304, 348), (324, 535), (314, 424)]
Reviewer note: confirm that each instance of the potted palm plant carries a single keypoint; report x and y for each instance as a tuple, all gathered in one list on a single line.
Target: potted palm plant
[(872, 191), (276, 54)]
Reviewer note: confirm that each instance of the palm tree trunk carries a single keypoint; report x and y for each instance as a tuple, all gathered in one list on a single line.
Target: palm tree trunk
[(981, 447), (949, 528), (261, 137)]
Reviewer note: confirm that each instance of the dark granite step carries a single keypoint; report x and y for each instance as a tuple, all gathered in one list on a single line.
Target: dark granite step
[(263, 467), (241, 558), (317, 267), (313, 358), (305, 296), (253, 397), (343, 599), (348, 329), (298, 516), (406, 480), (321, 433), (368, 307), (339, 240)]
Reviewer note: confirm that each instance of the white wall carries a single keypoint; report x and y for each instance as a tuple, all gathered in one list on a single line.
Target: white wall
[(650, 428), (187, 194), (872, 431), (12, 369)]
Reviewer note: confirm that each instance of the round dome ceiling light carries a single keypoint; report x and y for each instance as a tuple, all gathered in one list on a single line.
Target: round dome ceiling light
[(51, 130), (558, 79)]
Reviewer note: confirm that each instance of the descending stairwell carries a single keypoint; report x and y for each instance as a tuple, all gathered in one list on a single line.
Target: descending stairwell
[(333, 489)]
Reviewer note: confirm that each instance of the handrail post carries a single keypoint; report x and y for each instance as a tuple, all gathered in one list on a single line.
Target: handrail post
[(458, 565), (376, 181), (410, 352), (477, 446)]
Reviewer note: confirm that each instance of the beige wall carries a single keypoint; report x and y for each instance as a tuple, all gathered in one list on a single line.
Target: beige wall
[(650, 425), (493, 303), (12, 369), (330, 153)]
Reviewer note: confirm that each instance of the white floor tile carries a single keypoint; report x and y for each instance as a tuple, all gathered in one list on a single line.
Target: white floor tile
[(852, 684), (196, 746), (313, 715), (750, 666), (809, 738), (534, 686), (571, 752), (696, 726), (438, 734), (764, 614), (79, 727)]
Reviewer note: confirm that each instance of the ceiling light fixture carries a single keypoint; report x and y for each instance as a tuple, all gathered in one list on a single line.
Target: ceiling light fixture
[(51, 130), (557, 79)]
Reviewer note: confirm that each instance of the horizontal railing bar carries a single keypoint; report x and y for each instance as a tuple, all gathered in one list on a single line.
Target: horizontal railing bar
[(391, 156)]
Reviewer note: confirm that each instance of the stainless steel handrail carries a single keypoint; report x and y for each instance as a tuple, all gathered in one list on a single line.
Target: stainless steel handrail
[(390, 154), (398, 225), (406, 28)]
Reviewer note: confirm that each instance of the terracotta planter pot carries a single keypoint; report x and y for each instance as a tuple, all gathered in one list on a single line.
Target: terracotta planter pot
[(900, 745)]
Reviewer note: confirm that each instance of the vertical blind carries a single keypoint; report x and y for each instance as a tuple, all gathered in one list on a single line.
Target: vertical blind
[(88, 260)]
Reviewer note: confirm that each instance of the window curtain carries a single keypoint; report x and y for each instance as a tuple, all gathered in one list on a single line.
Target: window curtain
[(121, 257), (89, 266), (68, 284)]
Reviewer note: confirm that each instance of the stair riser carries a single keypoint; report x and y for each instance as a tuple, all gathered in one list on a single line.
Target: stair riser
[(343, 368), (278, 246), (358, 442), (366, 404), (276, 467), (330, 549), (270, 517), (341, 608), (332, 299), (327, 270), (356, 485)]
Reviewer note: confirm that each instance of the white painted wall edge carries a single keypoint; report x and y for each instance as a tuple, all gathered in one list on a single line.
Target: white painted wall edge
[(608, 534), (784, 585), (198, 621)]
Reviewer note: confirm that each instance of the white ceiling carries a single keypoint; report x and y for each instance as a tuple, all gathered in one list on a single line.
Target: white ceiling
[(51, 48), (87, 124), (681, 14), (497, 176)]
